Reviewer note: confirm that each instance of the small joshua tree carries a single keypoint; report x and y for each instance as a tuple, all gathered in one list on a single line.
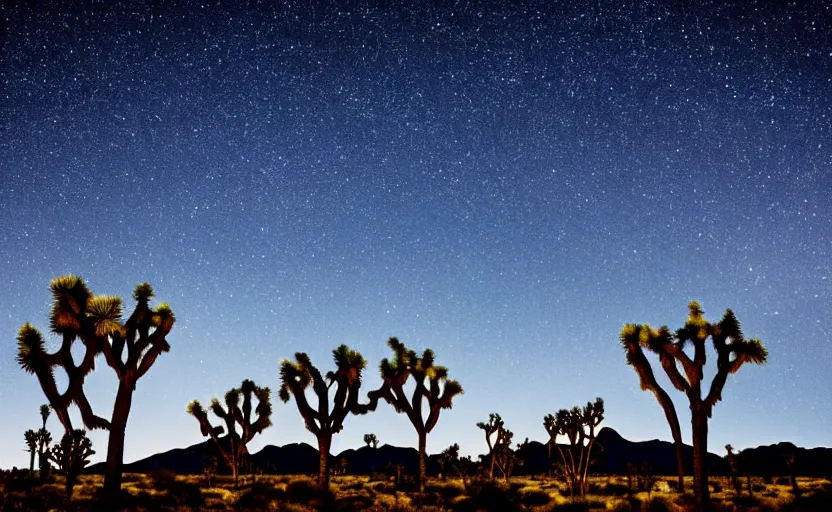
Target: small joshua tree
[(789, 459), (71, 456), (234, 415), (432, 385), (494, 426), (44, 442), (31, 438), (578, 426), (324, 421), (732, 350), (95, 321), (209, 468), (371, 440), (733, 465), (449, 459)]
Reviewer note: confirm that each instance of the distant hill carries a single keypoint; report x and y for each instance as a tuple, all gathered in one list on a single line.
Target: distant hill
[(771, 460), (301, 458)]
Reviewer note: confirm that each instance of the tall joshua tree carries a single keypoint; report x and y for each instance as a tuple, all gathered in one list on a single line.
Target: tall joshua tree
[(631, 339), (578, 426), (732, 349), (130, 348), (31, 438), (371, 440), (44, 440), (71, 456), (234, 415), (432, 386), (324, 421)]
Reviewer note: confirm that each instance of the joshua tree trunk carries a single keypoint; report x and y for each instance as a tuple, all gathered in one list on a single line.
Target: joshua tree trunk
[(115, 446), (324, 442), (423, 438), (676, 432), (699, 424), (32, 462)]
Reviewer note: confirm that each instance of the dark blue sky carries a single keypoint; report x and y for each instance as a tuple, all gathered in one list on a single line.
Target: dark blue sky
[(506, 185)]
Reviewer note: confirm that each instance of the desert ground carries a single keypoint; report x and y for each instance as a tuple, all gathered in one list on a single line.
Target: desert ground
[(167, 491)]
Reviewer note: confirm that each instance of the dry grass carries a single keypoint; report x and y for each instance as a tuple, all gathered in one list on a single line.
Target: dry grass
[(167, 491)]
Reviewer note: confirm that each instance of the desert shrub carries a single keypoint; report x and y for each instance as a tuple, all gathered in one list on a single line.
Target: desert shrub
[(758, 487), (716, 487), (657, 504), (446, 491), (614, 489), (576, 505), (783, 480), (309, 493), (486, 495), (767, 479), (384, 487), (162, 477), (819, 499), (127, 478), (260, 497), (534, 497), (353, 502), (393, 503)]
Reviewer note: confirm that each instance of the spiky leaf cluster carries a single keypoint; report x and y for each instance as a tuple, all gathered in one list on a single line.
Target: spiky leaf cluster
[(727, 338), (72, 454), (327, 417), (431, 385), (76, 315)]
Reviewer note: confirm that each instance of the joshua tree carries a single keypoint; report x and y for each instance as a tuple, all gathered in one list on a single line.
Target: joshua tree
[(578, 426), (44, 440), (371, 440), (732, 349), (432, 385), (209, 468), (324, 421), (504, 455), (235, 415), (71, 456), (494, 426), (647, 380), (31, 446), (733, 464), (789, 459), (95, 321), (449, 459)]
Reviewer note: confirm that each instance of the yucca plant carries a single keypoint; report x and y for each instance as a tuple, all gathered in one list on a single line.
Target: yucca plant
[(234, 414), (32, 439), (432, 385), (494, 427), (732, 350), (44, 442), (323, 421), (130, 348), (71, 456), (578, 426), (371, 440)]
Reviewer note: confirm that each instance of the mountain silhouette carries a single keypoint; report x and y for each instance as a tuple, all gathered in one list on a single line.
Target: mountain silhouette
[(617, 453)]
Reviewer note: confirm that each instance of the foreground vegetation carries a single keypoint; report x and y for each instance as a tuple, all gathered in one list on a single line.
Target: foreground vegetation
[(167, 491)]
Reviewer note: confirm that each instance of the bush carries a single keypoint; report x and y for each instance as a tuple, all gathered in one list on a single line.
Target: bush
[(534, 498), (259, 497), (309, 493)]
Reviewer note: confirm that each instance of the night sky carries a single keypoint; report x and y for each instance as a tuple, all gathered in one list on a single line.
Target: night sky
[(506, 185)]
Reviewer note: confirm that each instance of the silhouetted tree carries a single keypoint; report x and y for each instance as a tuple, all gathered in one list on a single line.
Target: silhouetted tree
[(789, 459), (325, 421), (209, 469), (71, 456), (732, 349), (733, 464), (578, 426), (371, 440), (95, 321), (32, 439), (234, 415), (448, 459), (631, 340), (44, 441), (431, 385), (494, 427)]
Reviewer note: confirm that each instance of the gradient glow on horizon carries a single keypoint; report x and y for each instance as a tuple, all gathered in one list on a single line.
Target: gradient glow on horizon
[(508, 186)]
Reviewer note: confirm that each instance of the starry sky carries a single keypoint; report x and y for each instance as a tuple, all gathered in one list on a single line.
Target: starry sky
[(508, 185)]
